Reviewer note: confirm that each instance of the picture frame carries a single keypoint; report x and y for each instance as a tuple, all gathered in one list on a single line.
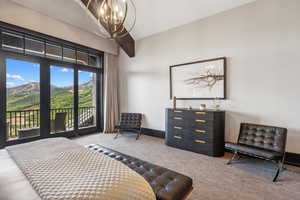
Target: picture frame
[(200, 80)]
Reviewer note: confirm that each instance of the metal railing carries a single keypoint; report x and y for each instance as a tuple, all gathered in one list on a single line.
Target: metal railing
[(27, 119)]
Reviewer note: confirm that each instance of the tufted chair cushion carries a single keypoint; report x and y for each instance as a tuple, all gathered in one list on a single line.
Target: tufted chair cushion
[(130, 121), (263, 137), (166, 184)]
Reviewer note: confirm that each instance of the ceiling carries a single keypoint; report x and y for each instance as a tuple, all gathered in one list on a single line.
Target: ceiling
[(153, 16)]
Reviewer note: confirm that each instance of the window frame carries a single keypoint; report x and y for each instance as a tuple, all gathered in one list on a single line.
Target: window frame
[(45, 64)]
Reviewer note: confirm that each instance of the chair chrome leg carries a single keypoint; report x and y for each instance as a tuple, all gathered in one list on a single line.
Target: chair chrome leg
[(277, 172), (117, 135), (139, 134), (233, 157), (280, 168)]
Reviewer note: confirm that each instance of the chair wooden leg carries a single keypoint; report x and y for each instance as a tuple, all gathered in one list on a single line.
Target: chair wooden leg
[(233, 157)]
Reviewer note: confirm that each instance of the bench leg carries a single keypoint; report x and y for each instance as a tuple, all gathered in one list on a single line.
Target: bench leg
[(235, 156)]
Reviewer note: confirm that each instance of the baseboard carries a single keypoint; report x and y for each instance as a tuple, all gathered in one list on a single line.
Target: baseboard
[(153, 132), (290, 158)]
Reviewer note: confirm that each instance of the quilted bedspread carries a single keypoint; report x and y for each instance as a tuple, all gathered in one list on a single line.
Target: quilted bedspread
[(59, 169)]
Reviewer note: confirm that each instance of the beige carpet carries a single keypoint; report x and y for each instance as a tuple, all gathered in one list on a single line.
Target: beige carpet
[(213, 180)]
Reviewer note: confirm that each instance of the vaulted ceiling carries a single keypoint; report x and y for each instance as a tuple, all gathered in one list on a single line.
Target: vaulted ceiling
[(153, 16)]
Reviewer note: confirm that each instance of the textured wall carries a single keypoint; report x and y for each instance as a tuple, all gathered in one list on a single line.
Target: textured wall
[(261, 41)]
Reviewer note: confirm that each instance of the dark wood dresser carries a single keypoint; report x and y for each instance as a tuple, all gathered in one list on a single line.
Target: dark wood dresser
[(196, 130)]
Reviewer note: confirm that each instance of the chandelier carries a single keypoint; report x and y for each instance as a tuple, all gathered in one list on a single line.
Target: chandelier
[(115, 17)]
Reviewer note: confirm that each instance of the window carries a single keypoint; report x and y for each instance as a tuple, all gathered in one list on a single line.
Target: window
[(30, 45), (34, 47), (93, 60), (69, 55), (82, 58), (12, 42), (53, 51), (53, 87), (86, 99), (22, 99), (62, 99)]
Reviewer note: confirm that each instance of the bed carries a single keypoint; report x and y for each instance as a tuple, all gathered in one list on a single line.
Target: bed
[(58, 168)]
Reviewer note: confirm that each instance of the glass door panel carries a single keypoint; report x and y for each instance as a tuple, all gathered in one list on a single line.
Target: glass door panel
[(86, 99), (22, 99), (62, 99)]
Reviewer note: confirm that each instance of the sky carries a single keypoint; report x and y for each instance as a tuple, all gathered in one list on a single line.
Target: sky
[(22, 72)]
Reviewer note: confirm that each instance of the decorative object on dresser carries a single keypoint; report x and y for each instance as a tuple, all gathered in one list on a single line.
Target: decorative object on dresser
[(205, 79), (130, 122), (200, 131), (261, 141), (174, 102)]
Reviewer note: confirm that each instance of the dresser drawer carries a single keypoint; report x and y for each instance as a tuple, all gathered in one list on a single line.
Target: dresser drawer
[(176, 121), (176, 113), (201, 115), (200, 146), (201, 136), (176, 129), (176, 140), (200, 125)]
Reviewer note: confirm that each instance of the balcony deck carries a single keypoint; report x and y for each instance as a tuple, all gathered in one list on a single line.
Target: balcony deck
[(26, 123)]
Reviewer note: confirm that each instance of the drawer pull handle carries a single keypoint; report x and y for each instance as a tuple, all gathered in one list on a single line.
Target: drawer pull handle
[(200, 120), (200, 141), (200, 131), (177, 137), (200, 113), (177, 127), (178, 118), (178, 111)]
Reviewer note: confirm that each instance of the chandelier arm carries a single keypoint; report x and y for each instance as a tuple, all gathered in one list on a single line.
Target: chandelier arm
[(134, 22), (88, 4), (121, 26), (100, 20)]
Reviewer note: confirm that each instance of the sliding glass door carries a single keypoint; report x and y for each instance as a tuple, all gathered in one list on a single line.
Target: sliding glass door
[(48, 88), (46, 98), (87, 98), (22, 99), (62, 99)]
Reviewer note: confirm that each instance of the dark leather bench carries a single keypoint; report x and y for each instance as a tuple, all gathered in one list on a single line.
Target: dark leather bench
[(166, 184)]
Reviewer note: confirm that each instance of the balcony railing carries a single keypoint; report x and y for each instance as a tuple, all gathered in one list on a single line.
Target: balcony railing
[(30, 119)]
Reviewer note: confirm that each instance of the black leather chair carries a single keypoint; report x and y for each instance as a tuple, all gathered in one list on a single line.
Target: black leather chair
[(130, 122), (260, 141)]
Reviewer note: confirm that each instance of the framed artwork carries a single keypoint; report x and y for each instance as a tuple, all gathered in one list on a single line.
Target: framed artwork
[(205, 79)]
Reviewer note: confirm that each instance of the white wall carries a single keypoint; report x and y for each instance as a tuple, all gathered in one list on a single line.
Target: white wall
[(15, 14), (262, 44)]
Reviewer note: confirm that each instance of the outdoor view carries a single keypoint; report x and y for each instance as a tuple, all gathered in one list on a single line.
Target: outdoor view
[(23, 99)]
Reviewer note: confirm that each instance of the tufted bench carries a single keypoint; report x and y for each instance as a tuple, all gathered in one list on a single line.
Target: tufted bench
[(166, 184), (261, 141)]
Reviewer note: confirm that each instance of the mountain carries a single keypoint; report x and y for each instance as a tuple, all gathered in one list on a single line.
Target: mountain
[(27, 96), (23, 89)]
